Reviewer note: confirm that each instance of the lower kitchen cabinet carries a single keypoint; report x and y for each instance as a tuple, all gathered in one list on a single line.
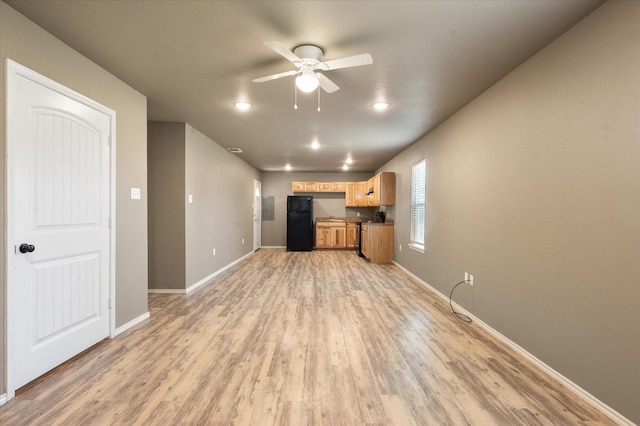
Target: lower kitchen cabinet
[(352, 235), (331, 235), (377, 242)]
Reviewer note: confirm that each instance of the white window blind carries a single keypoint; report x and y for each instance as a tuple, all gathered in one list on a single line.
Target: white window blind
[(418, 190)]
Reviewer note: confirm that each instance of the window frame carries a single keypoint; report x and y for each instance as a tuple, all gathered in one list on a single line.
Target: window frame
[(414, 204)]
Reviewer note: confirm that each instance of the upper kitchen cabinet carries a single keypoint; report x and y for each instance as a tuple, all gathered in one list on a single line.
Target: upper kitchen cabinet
[(356, 194), (318, 186), (382, 189)]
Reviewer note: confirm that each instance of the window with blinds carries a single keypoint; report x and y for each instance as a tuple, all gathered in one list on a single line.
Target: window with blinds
[(418, 190)]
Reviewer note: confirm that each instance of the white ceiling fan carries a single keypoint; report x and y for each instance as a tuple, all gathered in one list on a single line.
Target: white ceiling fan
[(307, 58)]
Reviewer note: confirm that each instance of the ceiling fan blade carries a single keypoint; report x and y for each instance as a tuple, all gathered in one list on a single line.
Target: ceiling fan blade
[(275, 76), (326, 84), (281, 50), (350, 61)]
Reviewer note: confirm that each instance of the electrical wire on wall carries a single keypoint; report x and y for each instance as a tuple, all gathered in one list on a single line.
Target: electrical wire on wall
[(460, 316)]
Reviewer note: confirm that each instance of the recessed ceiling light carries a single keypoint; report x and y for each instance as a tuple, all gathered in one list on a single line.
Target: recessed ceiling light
[(381, 106), (287, 167), (242, 106), (349, 160), (234, 150), (345, 167), (315, 144)]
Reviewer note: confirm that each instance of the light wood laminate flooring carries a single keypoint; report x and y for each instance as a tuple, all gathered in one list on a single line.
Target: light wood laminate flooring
[(300, 338)]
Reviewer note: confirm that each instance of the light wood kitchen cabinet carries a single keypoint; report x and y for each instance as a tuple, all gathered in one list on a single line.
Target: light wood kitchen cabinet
[(364, 241), (331, 235), (360, 194), (377, 242), (318, 186), (352, 235), (356, 194), (383, 186), (323, 186), (338, 236), (349, 191), (338, 186), (322, 236)]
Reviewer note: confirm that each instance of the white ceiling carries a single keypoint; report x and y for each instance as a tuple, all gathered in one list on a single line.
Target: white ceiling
[(194, 59)]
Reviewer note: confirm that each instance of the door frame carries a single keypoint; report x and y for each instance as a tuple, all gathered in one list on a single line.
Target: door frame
[(14, 71), (257, 210)]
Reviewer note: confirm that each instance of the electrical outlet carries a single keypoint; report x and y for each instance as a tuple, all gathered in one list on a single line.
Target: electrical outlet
[(357, 214), (214, 252), (400, 247), (243, 241), (468, 278)]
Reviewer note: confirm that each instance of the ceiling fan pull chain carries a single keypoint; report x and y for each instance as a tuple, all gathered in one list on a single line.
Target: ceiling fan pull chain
[(318, 99), (295, 96)]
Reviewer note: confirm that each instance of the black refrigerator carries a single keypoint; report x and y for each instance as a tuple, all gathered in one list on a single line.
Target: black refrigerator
[(299, 223)]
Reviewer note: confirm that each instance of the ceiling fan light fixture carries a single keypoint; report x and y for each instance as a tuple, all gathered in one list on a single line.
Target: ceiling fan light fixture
[(307, 81)]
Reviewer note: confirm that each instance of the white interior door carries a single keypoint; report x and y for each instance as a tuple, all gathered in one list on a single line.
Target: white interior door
[(257, 215), (59, 184)]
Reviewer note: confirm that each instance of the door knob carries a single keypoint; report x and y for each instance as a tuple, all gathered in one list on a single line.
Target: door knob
[(27, 248)]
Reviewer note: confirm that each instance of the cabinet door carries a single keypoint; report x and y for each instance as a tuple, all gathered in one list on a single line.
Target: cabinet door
[(322, 236), (360, 194), (338, 236), (323, 186), (352, 235), (376, 189), (297, 186), (337, 187), (310, 186), (349, 198)]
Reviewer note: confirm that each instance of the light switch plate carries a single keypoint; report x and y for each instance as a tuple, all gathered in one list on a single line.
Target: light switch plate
[(190, 198), (136, 194)]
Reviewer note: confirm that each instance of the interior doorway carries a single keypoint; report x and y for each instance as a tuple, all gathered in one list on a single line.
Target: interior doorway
[(257, 215)]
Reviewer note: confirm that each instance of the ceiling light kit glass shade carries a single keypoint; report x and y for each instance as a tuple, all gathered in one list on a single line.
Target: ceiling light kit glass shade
[(307, 82)]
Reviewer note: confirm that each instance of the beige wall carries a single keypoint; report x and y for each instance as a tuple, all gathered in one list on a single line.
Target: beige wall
[(166, 173), (182, 235), (26, 43), (221, 214), (278, 185), (534, 187)]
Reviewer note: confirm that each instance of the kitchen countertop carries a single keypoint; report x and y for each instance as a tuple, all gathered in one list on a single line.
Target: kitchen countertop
[(336, 219)]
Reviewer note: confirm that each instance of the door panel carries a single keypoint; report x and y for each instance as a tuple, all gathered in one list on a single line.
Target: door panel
[(60, 160)]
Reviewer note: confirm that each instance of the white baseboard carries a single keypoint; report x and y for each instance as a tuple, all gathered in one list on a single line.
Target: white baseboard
[(273, 247), (3, 399), (520, 350), (167, 290), (130, 324), (208, 278), (194, 286)]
